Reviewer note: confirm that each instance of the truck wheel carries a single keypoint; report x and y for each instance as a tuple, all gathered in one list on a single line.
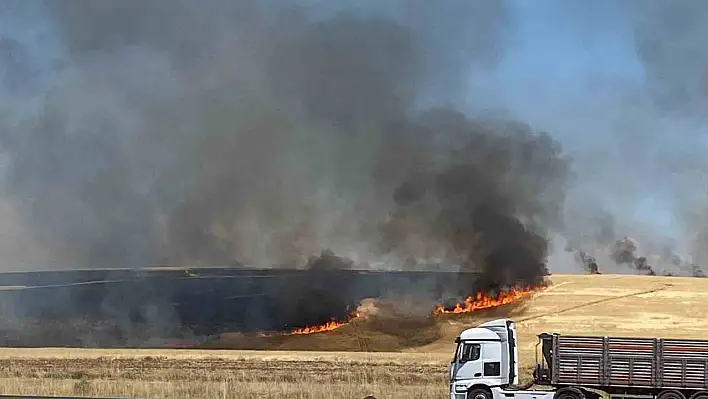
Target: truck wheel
[(569, 393), (671, 395), (700, 395), (479, 393)]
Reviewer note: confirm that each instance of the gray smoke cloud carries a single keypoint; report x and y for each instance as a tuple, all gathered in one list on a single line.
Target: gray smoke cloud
[(671, 42), (220, 132)]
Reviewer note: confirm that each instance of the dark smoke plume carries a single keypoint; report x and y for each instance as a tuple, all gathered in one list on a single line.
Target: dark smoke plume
[(466, 210), (588, 262)]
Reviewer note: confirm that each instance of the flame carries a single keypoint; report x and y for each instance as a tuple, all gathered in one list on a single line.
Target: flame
[(483, 301), (329, 326)]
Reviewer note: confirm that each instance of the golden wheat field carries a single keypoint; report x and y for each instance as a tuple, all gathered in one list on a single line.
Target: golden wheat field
[(310, 366)]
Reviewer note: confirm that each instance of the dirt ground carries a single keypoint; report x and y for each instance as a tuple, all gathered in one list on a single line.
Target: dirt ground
[(406, 361)]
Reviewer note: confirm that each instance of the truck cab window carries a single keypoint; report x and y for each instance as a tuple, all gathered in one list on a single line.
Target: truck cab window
[(470, 352)]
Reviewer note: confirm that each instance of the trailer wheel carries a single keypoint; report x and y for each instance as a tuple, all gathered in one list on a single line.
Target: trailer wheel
[(479, 393), (569, 393), (700, 395), (591, 394), (671, 395)]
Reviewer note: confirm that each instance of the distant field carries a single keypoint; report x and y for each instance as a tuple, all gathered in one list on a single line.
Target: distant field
[(592, 304)]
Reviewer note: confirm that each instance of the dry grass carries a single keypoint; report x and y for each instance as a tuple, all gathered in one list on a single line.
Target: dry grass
[(228, 374), (599, 304), (630, 306)]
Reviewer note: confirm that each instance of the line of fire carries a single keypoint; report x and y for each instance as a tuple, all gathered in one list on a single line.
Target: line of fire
[(479, 301)]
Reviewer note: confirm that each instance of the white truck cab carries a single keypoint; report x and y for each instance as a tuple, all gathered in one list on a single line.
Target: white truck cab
[(486, 365)]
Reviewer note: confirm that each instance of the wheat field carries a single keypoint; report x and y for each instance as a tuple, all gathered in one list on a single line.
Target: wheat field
[(574, 304)]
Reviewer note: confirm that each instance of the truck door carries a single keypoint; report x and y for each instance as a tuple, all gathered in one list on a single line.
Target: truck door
[(470, 361)]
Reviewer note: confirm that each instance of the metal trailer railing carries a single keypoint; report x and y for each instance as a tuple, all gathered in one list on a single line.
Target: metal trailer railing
[(629, 362)]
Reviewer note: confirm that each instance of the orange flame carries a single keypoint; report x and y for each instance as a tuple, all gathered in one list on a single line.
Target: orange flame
[(329, 326), (483, 301)]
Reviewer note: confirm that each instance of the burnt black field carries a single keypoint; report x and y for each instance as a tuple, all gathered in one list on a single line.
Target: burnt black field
[(155, 307)]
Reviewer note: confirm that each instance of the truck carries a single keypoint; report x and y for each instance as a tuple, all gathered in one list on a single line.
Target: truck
[(486, 366)]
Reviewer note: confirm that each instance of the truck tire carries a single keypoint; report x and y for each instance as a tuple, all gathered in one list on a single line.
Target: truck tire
[(592, 394), (671, 395), (700, 395), (570, 393), (479, 393)]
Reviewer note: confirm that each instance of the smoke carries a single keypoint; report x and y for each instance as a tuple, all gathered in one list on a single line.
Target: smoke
[(671, 42), (478, 208), (624, 256), (189, 134)]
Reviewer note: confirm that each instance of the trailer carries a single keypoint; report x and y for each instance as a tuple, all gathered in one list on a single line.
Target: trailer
[(485, 366)]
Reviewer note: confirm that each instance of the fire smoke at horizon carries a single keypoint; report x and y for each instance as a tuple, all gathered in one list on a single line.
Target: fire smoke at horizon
[(626, 253)]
